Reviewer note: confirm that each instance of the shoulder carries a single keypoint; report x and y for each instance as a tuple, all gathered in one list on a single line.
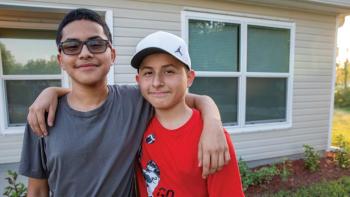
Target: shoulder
[(196, 116), (128, 94), (132, 90)]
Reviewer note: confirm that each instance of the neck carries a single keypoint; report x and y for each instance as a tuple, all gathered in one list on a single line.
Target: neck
[(86, 98), (174, 117)]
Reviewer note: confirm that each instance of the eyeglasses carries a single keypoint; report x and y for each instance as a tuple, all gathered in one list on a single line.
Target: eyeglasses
[(74, 47)]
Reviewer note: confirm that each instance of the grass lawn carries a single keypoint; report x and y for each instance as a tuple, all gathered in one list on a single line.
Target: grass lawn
[(341, 124)]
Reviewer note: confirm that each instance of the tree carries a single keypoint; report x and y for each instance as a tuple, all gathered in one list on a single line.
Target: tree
[(346, 66), (33, 66)]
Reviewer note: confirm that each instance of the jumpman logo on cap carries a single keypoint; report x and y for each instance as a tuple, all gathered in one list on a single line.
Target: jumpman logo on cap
[(178, 50)]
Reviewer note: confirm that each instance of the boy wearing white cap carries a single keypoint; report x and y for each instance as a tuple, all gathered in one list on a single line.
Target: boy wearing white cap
[(169, 146)]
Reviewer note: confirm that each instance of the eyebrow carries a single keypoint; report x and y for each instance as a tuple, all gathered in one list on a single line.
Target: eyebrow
[(90, 38), (163, 66)]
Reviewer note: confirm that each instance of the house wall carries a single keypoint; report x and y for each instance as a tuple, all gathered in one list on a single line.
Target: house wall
[(314, 58)]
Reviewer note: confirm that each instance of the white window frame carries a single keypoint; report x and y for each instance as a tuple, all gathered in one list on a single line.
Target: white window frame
[(242, 75), (12, 130)]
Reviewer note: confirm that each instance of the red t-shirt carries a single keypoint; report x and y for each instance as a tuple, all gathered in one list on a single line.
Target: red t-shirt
[(169, 164)]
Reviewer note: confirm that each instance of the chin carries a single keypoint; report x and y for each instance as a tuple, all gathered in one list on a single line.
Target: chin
[(161, 106)]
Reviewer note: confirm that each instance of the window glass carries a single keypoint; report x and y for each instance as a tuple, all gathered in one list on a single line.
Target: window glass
[(224, 92), (266, 100), (268, 49), (214, 46), (28, 52), (20, 94)]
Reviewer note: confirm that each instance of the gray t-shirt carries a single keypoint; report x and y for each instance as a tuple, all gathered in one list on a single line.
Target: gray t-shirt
[(90, 153)]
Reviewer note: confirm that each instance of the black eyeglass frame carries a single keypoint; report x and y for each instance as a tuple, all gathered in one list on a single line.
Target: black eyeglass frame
[(81, 45)]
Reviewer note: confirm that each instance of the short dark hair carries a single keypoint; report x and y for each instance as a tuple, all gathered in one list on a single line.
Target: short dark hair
[(82, 14)]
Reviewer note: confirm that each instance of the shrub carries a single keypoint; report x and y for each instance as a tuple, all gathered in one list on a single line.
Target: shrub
[(260, 176), (14, 189), (285, 170), (342, 98), (265, 174), (312, 158), (342, 155), (246, 174)]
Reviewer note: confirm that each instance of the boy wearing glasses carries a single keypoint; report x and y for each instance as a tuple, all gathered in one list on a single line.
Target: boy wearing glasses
[(91, 148)]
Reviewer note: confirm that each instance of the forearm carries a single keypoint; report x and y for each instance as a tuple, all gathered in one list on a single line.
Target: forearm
[(212, 149), (206, 106), (45, 102), (58, 90), (37, 193), (38, 188)]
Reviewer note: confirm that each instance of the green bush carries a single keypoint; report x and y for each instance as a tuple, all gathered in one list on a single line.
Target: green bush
[(339, 188), (342, 155), (246, 174), (14, 189), (312, 159), (342, 98), (285, 171), (260, 176)]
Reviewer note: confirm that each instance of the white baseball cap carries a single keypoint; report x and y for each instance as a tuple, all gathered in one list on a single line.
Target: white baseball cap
[(161, 41)]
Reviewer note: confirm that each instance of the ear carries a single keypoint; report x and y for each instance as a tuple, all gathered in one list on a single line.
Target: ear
[(190, 77), (59, 60), (113, 54), (137, 77)]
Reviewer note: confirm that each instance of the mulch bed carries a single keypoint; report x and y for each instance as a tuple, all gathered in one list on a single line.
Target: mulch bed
[(300, 176)]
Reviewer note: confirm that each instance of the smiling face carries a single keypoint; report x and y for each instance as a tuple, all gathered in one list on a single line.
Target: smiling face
[(86, 68), (164, 80)]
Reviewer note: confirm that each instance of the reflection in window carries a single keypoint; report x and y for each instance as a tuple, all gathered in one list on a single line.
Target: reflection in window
[(28, 52), (224, 91), (28, 60), (21, 94), (266, 100), (214, 46)]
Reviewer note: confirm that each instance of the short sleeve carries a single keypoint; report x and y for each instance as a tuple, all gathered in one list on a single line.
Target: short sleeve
[(33, 157)]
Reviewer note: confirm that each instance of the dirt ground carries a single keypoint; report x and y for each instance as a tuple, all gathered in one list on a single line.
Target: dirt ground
[(300, 176)]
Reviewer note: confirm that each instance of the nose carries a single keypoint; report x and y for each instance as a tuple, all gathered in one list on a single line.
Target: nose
[(85, 53), (157, 80)]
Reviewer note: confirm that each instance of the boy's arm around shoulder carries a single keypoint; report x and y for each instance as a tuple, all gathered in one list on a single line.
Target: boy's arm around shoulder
[(213, 151), (226, 182), (38, 187), (45, 102)]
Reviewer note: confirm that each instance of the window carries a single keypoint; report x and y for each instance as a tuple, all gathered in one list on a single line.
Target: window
[(28, 65), (245, 65)]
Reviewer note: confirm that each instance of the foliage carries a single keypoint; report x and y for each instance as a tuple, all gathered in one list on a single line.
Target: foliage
[(14, 189), (342, 74), (265, 174), (342, 98), (342, 155), (245, 173), (286, 170), (260, 176), (33, 66), (312, 158), (337, 188)]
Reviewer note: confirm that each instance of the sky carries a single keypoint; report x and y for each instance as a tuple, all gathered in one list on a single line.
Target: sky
[(343, 41)]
